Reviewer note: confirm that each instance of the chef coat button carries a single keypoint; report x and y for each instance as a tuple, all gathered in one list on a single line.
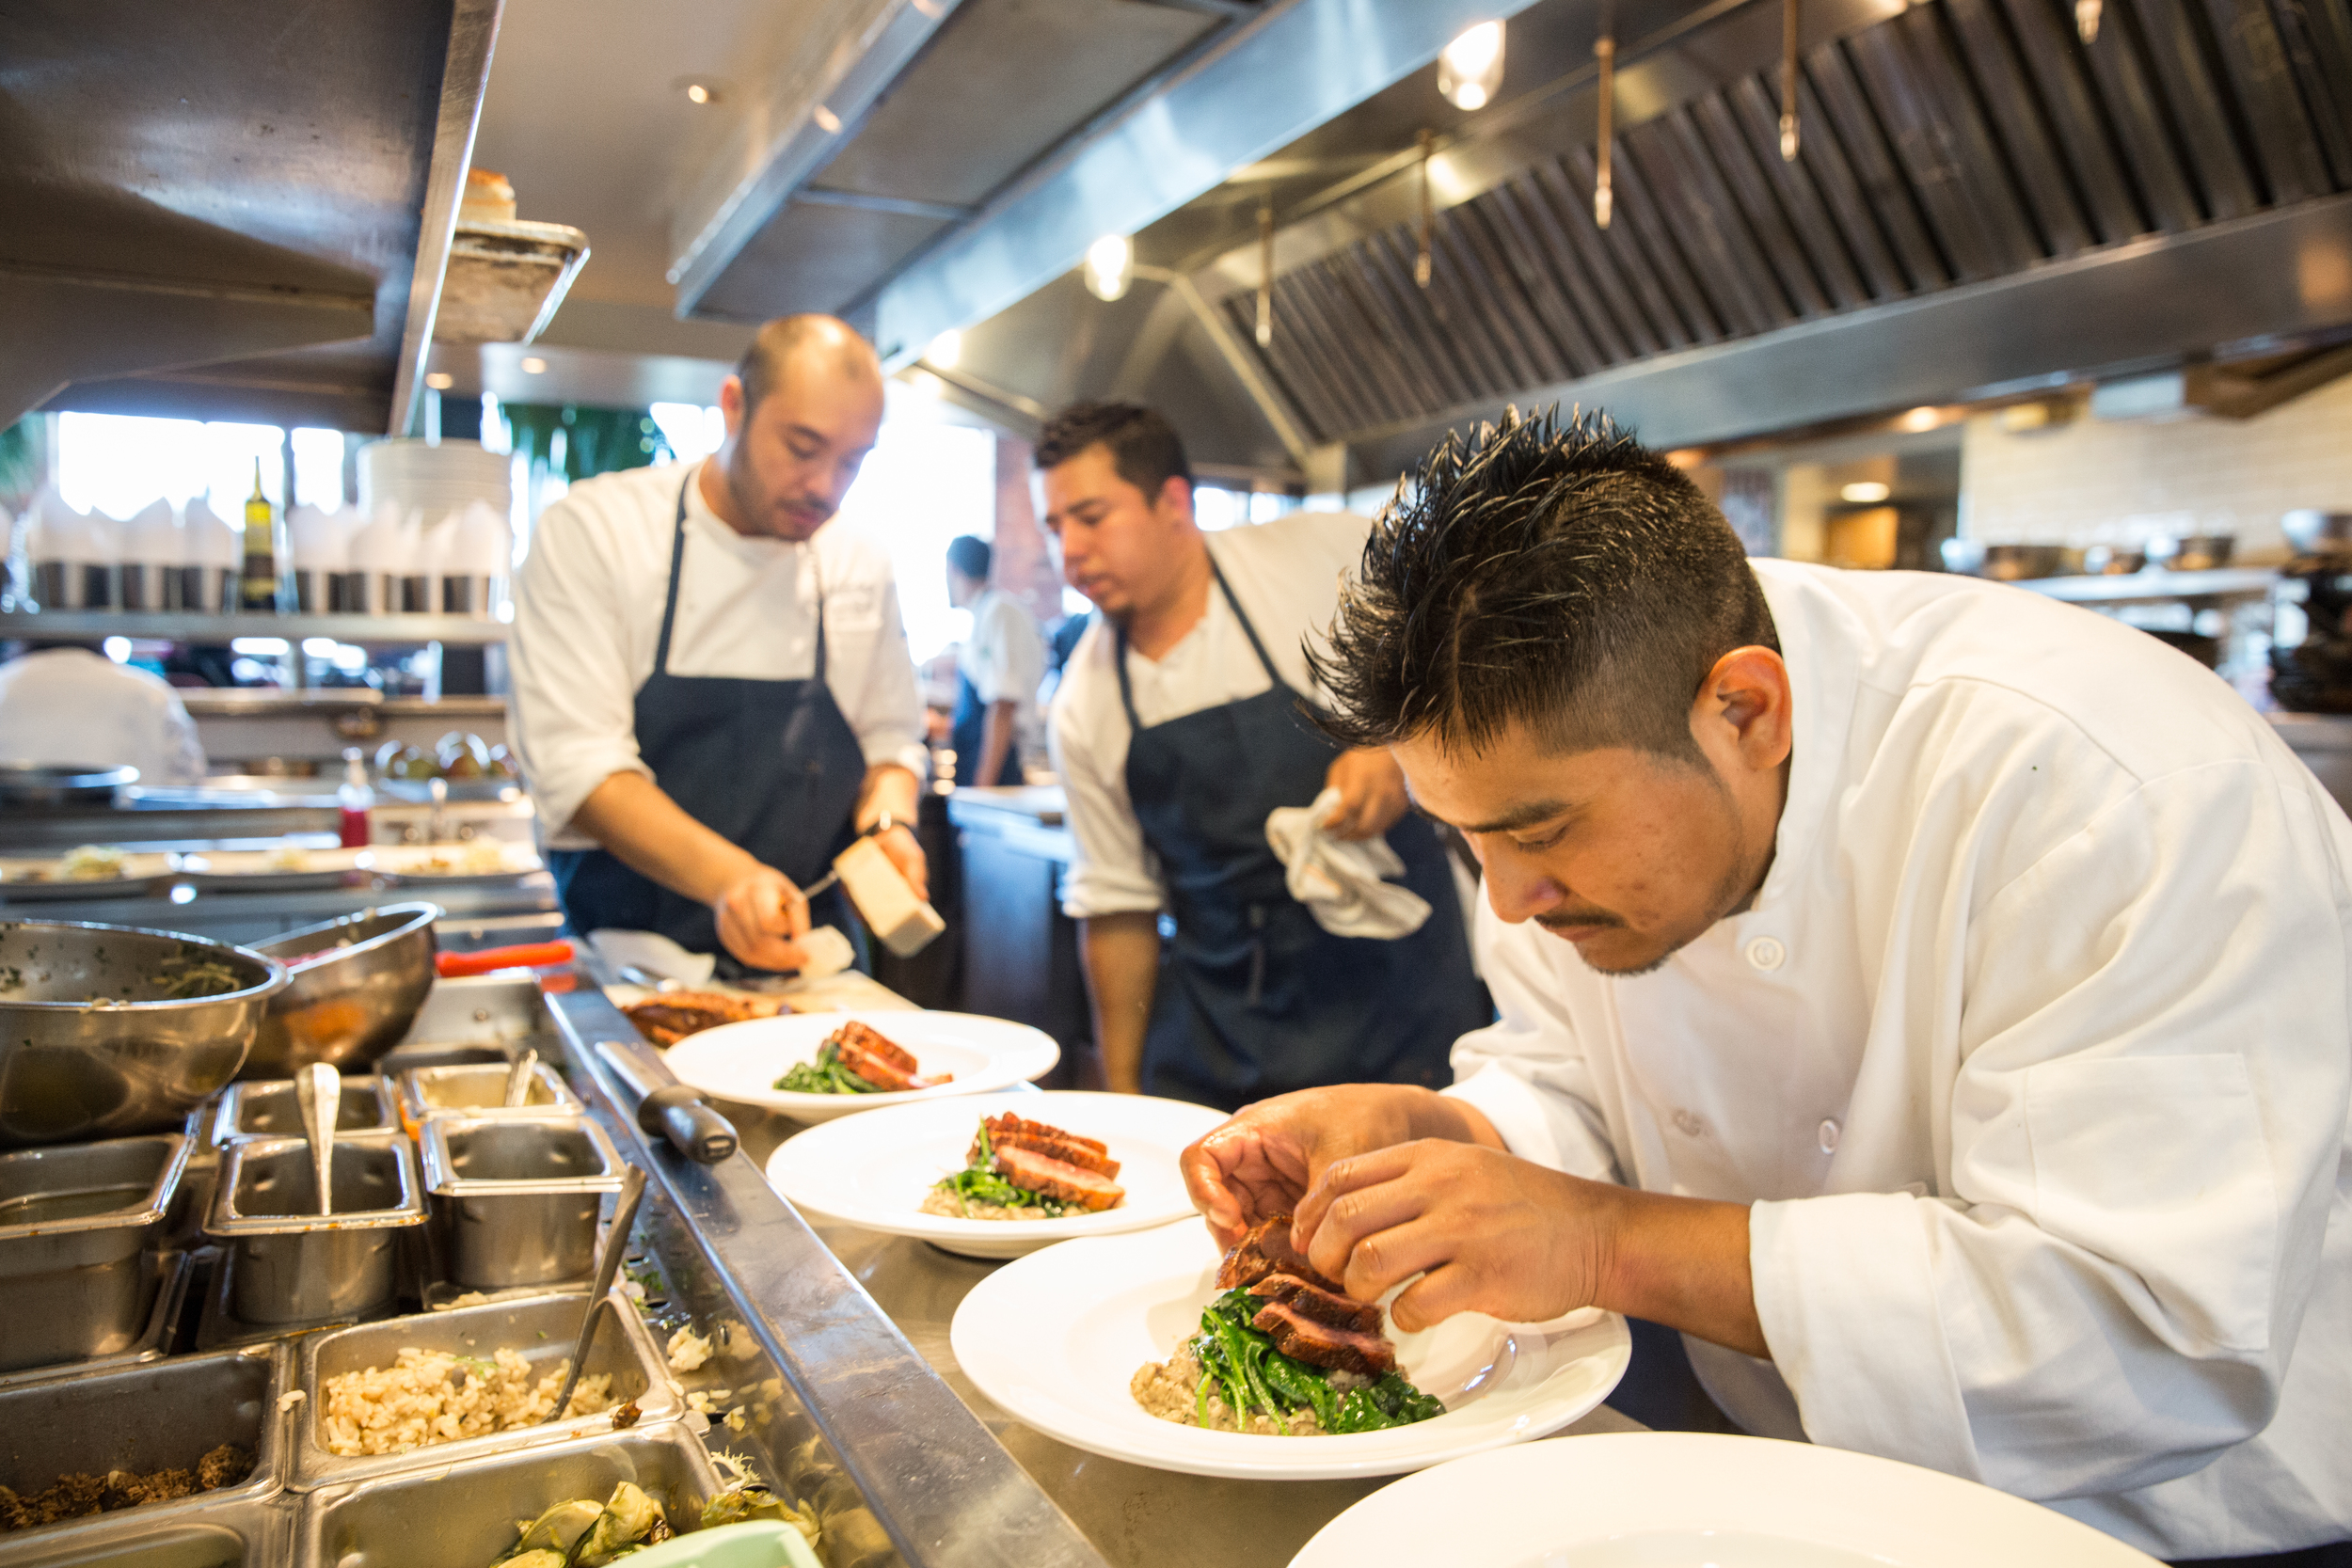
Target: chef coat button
[(1690, 1124), (1766, 953), (1829, 1133)]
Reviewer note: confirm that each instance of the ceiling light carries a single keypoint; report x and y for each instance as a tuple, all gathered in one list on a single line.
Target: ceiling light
[(440, 381), (1922, 418), (1110, 263), (826, 120), (1865, 492), (1470, 72), (533, 365), (945, 350)]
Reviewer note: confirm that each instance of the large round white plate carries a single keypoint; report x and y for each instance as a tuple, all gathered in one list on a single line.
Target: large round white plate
[(742, 1061), (1650, 1498), (1054, 1337), (874, 1170)]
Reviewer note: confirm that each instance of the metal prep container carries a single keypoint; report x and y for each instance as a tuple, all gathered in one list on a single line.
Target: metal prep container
[(478, 1088), (267, 1109), (164, 1416), (541, 1328), (258, 1534), (514, 1195), (289, 1265), (78, 1224), (438, 1519)]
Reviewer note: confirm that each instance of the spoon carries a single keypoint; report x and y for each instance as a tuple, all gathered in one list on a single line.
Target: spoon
[(600, 1293), (518, 1077), (319, 1094), (649, 979)]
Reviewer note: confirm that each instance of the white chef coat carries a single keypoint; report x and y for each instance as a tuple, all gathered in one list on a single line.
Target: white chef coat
[(1286, 574), (73, 706), (588, 603), (1005, 658), (2032, 1057)]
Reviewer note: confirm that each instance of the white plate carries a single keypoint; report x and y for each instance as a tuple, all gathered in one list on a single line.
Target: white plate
[(874, 1170), (44, 877), (440, 863), (742, 1061), (270, 870), (1651, 1498), (1054, 1337)]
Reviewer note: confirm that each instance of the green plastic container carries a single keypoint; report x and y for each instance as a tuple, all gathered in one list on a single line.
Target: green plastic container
[(754, 1544)]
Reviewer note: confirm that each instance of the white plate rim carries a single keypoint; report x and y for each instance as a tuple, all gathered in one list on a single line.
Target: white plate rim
[(1606, 1484), (1005, 1068), (1061, 1107), (974, 1333)]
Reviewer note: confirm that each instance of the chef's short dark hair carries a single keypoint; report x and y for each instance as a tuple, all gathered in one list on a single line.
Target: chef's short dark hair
[(969, 553), (773, 345), (1145, 449), (1556, 574)]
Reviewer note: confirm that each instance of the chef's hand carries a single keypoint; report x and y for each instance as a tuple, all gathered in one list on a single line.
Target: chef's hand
[(1268, 1158), (1487, 1231), (1372, 793), (907, 855), (761, 916)]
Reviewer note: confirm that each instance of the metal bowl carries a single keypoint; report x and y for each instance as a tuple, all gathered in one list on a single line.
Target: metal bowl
[(46, 786), (356, 1000), (93, 1046)]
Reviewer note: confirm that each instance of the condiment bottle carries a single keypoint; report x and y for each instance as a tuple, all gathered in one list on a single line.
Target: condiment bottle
[(356, 797)]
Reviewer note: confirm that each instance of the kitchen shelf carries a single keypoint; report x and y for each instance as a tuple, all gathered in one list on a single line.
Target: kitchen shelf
[(368, 631), (2228, 582)]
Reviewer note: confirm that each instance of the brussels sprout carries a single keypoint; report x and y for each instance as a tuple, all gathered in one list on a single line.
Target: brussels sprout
[(559, 1529), (543, 1556), (630, 1517)]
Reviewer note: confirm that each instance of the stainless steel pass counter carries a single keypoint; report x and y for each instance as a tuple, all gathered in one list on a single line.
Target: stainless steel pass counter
[(857, 1323)]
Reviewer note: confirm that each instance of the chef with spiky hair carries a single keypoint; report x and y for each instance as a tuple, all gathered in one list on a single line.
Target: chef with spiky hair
[(1930, 998)]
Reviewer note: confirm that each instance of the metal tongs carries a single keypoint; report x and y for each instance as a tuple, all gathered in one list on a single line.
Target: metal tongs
[(319, 1095), (600, 1293)]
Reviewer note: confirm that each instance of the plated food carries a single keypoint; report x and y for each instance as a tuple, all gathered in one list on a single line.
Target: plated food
[(916, 1168), (429, 1396), (80, 870), (1054, 1339), (857, 1058), (955, 1054), (1284, 1352), (668, 1017), (1026, 1170), (1686, 1497)]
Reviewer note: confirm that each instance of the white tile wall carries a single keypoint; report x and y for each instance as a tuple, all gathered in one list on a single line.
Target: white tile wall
[(2091, 480)]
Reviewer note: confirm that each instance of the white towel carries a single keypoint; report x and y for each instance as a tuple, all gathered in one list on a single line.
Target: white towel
[(1343, 882)]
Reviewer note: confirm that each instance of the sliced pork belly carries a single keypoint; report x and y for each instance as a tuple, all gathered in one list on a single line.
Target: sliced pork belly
[(870, 1040), (1010, 1131), (1266, 1250), (1324, 1307), (1057, 1180), (878, 1061), (1319, 1344), (1009, 1126)]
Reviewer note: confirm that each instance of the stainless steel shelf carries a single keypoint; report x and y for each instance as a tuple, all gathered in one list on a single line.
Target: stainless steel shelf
[(374, 631), (2228, 582)]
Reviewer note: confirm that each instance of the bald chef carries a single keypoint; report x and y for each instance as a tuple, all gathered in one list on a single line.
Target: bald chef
[(1930, 998), (712, 690)]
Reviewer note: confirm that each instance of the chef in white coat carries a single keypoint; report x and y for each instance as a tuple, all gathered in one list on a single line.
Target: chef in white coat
[(1930, 999)]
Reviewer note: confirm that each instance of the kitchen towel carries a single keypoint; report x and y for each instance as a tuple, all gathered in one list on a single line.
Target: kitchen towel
[(1342, 883)]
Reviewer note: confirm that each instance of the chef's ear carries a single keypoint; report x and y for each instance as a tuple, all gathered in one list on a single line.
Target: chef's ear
[(1175, 494), (731, 404), (1745, 701)]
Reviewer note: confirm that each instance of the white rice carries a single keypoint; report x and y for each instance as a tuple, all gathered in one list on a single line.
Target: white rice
[(429, 1396)]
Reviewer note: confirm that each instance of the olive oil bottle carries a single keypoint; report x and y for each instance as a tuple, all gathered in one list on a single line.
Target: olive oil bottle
[(257, 591)]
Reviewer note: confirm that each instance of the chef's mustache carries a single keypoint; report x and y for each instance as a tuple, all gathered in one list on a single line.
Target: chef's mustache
[(1556, 920)]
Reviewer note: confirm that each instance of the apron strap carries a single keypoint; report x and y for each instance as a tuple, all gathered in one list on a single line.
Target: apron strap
[(1126, 687), (669, 606)]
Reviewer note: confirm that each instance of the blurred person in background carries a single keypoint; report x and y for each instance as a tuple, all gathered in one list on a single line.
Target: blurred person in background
[(65, 705), (998, 673)]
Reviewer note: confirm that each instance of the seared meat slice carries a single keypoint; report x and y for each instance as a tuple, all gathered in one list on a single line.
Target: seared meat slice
[(1266, 1249), (1324, 1307), (669, 1018), (1302, 1339), (1052, 1179), (1008, 1124), (878, 1061), (1010, 1131)]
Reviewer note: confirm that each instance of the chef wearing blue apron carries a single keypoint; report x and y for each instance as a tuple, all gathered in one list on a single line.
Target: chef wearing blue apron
[(1178, 728), (711, 696), (997, 673)]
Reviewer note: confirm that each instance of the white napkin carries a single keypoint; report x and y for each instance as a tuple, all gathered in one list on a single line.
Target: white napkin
[(1343, 882)]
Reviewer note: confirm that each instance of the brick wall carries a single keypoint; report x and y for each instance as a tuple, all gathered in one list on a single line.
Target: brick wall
[(2088, 479)]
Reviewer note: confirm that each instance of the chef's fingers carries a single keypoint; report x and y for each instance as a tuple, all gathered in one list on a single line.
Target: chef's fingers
[(1253, 1166), (1445, 1289), (784, 910), (1353, 1200), (908, 857)]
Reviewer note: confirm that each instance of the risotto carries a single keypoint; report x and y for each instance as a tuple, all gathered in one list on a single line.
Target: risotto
[(428, 1396)]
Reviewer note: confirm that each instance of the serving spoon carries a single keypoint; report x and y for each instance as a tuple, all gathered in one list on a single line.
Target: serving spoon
[(518, 1077), (319, 1095), (600, 1293)]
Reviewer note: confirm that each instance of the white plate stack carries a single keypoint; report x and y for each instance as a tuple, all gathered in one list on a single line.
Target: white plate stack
[(212, 558), (431, 478), (319, 544), (152, 549)]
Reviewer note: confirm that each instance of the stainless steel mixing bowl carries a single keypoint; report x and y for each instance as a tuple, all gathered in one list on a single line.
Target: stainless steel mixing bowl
[(354, 1000), (92, 1044)]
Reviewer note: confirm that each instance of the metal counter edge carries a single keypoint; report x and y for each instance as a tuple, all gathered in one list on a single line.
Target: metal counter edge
[(938, 1481)]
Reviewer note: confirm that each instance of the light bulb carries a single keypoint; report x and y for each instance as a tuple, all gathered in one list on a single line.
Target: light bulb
[(1470, 71), (1110, 263), (1865, 492)]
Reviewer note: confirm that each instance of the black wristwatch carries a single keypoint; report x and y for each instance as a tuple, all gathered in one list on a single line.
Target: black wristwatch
[(883, 823)]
